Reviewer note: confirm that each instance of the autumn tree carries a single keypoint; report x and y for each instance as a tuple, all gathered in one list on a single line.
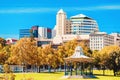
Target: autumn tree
[(49, 56), (4, 54), (2, 42), (56, 60), (40, 58), (96, 56), (6, 68), (68, 49), (70, 46), (110, 58), (24, 52), (61, 55)]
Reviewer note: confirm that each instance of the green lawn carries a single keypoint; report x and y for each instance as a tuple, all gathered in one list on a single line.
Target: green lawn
[(59, 75)]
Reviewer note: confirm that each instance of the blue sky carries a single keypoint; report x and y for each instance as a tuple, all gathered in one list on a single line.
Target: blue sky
[(22, 14)]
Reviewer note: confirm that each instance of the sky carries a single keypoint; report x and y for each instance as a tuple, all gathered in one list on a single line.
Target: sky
[(23, 14)]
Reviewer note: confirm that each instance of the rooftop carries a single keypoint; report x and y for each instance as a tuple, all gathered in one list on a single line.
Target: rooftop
[(61, 11), (80, 16)]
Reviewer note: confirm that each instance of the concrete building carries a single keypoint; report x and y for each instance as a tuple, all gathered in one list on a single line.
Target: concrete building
[(54, 32), (99, 40), (43, 42), (60, 22), (82, 24), (64, 38), (116, 38), (44, 33), (78, 24), (68, 27)]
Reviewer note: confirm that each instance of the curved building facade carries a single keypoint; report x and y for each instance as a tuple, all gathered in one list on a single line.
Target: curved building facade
[(82, 24)]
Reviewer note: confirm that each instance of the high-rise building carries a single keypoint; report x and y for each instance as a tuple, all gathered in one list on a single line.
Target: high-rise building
[(77, 25), (99, 40), (60, 22), (82, 24), (44, 33), (24, 33)]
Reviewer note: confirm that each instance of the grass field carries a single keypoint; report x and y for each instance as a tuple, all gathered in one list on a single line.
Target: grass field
[(59, 75)]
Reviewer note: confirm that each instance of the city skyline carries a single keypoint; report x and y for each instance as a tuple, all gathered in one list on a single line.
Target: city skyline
[(22, 14)]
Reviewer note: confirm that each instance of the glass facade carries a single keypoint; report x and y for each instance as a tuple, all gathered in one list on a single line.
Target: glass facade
[(81, 24), (35, 31), (49, 33), (40, 43), (44, 33), (24, 33)]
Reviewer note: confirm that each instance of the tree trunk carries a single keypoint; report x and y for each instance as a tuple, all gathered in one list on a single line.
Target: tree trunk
[(39, 69), (114, 72), (54, 69), (31, 68), (43, 68), (25, 68), (60, 67), (49, 68), (103, 70), (115, 69)]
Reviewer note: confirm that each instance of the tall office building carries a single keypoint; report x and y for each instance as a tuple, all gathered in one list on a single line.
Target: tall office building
[(82, 24), (44, 33), (99, 40), (24, 33), (78, 24), (60, 22)]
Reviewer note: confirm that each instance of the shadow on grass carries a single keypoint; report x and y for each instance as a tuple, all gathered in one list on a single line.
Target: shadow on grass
[(92, 77)]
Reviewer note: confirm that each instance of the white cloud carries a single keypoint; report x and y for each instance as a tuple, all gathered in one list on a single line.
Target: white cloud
[(45, 10), (108, 7), (27, 10)]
